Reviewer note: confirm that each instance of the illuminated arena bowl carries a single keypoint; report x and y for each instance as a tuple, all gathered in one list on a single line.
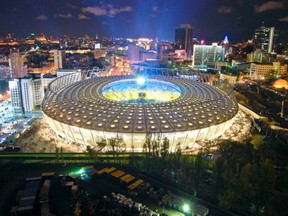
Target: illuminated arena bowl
[(183, 110), (140, 90)]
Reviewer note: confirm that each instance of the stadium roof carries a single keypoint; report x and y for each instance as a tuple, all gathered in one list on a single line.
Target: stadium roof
[(83, 105)]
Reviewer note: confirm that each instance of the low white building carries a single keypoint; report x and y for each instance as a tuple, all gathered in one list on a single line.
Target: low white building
[(260, 71), (63, 72), (231, 79)]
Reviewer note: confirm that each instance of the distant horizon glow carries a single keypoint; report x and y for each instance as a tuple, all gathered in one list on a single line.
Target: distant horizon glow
[(136, 19)]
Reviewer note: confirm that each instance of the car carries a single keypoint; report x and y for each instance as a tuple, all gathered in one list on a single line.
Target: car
[(209, 156), (12, 149)]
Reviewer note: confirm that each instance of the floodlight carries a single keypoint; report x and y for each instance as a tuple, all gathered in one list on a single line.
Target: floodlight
[(186, 208), (140, 80)]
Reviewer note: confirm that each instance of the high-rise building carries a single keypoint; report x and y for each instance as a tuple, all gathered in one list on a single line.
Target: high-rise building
[(264, 38), (183, 38), (63, 43), (204, 55), (5, 72), (259, 56), (16, 64), (133, 53), (59, 59), (226, 46), (26, 94)]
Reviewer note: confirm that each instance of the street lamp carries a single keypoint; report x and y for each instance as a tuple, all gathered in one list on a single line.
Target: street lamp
[(186, 208)]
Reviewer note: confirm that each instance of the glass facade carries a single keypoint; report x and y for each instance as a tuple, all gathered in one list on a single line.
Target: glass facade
[(205, 54)]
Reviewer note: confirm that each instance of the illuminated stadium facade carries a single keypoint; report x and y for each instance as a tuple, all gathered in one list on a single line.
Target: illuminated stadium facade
[(183, 109)]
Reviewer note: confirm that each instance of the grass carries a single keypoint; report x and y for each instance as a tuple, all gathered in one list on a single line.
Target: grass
[(257, 140)]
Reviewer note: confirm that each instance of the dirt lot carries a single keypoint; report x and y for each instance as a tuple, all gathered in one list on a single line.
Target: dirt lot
[(42, 139)]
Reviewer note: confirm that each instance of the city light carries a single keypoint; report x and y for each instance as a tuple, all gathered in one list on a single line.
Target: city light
[(186, 208), (77, 171)]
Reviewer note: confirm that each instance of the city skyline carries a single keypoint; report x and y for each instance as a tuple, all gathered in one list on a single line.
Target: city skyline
[(211, 21)]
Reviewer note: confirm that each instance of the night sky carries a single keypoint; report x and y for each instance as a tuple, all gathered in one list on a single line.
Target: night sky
[(211, 20)]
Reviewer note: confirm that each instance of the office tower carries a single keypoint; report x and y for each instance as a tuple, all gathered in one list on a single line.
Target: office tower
[(226, 46), (59, 59), (133, 53), (183, 38), (26, 94), (264, 38), (16, 64), (271, 39), (63, 43), (5, 72), (203, 55), (259, 56), (16, 96)]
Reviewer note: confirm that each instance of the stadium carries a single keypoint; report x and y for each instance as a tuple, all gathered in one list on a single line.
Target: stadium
[(184, 109)]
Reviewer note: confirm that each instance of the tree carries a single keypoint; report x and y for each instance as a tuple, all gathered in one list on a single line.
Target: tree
[(199, 167), (57, 154), (164, 147), (248, 181), (218, 181), (112, 142), (146, 162), (101, 144), (236, 155), (132, 156), (177, 155), (155, 147), (144, 147), (116, 144), (231, 198), (148, 142), (90, 152), (61, 154), (77, 209), (276, 151), (94, 150), (120, 145), (264, 184)]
